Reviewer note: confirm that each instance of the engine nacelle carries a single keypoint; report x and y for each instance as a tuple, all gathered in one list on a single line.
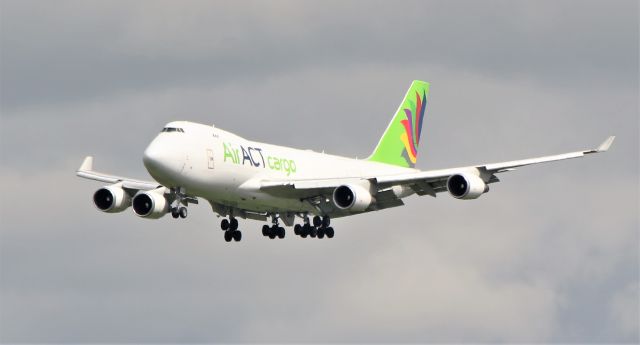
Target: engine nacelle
[(151, 204), (352, 197), (466, 186), (111, 199)]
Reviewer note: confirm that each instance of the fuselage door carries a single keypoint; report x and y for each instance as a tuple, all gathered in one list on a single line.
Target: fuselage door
[(210, 158)]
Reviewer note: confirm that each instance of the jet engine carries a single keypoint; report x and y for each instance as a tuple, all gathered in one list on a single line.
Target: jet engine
[(352, 197), (466, 186), (151, 204), (111, 199)]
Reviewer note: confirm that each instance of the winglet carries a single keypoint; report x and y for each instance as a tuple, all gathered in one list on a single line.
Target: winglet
[(606, 144), (87, 164)]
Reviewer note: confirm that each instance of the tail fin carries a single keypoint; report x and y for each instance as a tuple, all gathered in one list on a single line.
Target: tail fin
[(399, 143)]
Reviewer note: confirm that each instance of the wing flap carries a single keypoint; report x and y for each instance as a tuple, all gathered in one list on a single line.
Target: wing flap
[(304, 188), (307, 184), (386, 199)]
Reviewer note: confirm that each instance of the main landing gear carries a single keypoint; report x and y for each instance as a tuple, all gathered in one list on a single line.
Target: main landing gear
[(273, 231), (230, 228), (319, 229)]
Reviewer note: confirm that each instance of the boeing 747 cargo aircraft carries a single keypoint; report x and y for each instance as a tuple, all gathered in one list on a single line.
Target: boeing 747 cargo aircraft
[(241, 178)]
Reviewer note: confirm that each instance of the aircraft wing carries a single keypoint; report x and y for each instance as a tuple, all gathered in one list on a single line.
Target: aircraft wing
[(86, 171), (421, 182), (485, 171)]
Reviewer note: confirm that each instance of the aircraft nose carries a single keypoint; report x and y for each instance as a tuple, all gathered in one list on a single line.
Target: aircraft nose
[(162, 160), (152, 156)]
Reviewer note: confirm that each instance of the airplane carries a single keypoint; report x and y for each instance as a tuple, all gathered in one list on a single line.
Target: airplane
[(245, 179)]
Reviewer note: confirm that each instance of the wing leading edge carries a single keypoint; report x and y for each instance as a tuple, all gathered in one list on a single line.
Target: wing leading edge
[(86, 171)]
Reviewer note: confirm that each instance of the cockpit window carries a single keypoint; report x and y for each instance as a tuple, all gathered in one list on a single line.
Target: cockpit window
[(173, 129)]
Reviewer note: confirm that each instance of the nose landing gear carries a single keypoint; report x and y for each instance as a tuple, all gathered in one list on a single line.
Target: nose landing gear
[(180, 212), (181, 200)]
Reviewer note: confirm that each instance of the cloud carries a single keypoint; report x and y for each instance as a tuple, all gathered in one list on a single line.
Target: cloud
[(109, 48), (433, 277), (624, 313)]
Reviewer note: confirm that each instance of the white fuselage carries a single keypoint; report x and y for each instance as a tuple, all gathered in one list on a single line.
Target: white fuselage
[(228, 170)]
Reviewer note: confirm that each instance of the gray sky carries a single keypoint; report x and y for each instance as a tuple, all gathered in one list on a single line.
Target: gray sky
[(549, 255)]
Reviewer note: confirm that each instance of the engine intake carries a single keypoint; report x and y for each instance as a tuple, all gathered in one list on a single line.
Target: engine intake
[(151, 204), (111, 199), (466, 186), (352, 197)]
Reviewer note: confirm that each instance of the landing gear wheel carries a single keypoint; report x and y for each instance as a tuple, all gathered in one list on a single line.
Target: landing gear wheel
[(306, 230), (224, 224), (237, 235), (329, 232), (233, 224), (273, 231), (317, 221), (228, 236), (320, 233), (297, 229), (175, 213), (313, 232), (281, 232), (265, 230), (183, 212), (326, 222)]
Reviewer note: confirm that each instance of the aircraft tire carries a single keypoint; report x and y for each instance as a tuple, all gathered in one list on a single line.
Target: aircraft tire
[(313, 232), (330, 232), (297, 229), (175, 213), (326, 221), (224, 224), (237, 235), (265, 230), (228, 236), (317, 221), (233, 224), (183, 212), (281, 232)]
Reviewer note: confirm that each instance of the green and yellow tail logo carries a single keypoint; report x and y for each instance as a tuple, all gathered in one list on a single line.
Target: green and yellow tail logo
[(399, 143)]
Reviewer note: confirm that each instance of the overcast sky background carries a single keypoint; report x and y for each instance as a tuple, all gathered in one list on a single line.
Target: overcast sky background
[(549, 255)]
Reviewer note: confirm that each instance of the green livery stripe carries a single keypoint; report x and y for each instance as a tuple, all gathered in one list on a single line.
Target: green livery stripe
[(399, 143)]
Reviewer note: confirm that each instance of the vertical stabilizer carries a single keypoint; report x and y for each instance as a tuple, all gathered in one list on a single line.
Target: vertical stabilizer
[(399, 143)]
